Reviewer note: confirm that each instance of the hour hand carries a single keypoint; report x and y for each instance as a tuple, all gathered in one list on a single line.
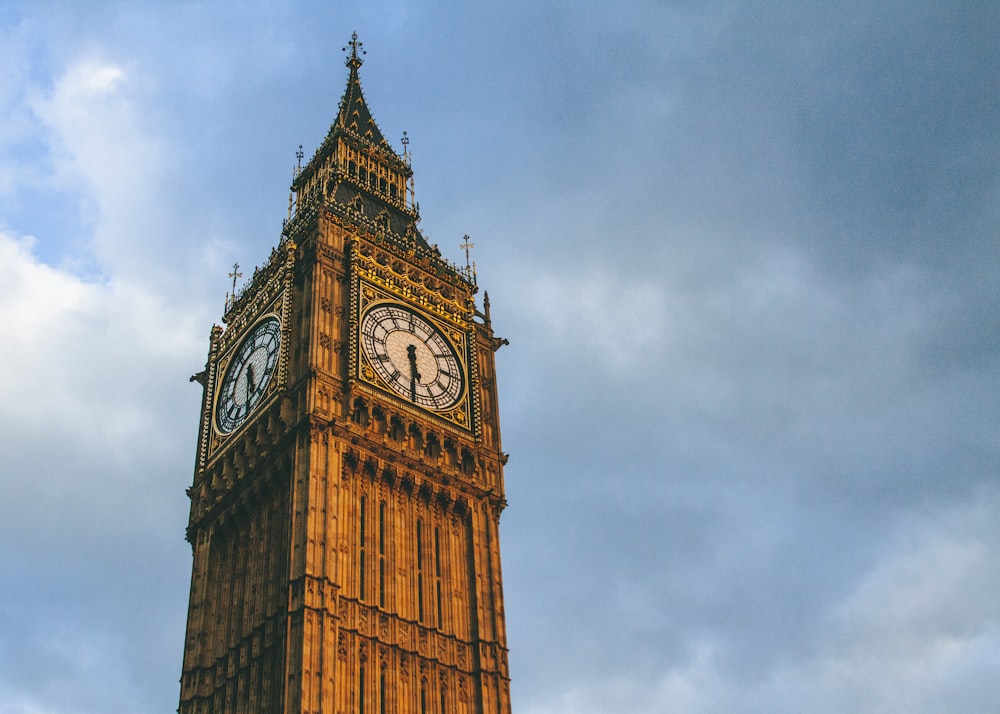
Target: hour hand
[(251, 387)]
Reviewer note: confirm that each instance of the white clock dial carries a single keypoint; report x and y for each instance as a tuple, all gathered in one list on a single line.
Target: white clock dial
[(412, 357), (248, 375)]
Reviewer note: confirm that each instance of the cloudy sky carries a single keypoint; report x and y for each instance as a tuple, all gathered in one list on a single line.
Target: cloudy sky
[(746, 255)]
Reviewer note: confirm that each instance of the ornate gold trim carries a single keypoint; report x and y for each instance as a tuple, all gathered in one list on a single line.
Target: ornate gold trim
[(365, 295)]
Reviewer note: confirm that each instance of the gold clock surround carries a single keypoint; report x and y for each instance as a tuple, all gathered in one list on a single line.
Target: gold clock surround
[(414, 296)]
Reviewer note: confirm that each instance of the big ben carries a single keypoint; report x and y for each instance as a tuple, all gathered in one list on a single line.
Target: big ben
[(349, 474)]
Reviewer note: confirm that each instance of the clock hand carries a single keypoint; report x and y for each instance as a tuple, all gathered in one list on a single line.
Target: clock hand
[(251, 387), (411, 353)]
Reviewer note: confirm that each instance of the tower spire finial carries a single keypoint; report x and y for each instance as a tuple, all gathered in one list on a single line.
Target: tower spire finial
[(236, 274), (354, 61), (466, 246), (470, 267)]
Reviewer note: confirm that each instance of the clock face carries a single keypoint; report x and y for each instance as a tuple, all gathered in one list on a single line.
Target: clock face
[(411, 356), (248, 374)]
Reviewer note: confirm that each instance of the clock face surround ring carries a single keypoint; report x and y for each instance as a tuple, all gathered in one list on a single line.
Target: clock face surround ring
[(248, 375), (411, 356)]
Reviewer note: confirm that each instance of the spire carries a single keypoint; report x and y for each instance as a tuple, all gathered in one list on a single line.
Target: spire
[(354, 115), (355, 167)]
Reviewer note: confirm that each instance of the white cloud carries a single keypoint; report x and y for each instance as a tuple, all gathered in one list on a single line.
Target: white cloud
[(97, 148), (66, 338), (98, 423), (919, 632), (597, 317), (110, 153), (47, 313), (926, 618), (94, 127), (695, 686), (95, 407)]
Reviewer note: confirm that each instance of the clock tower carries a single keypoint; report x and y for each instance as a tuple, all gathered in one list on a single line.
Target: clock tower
[(349, 475)]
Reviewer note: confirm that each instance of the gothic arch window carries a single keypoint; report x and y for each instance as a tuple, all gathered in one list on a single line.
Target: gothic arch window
[(433, 448), (379, 418), (357, 204), (468, 461), (359, 415), (450, 456), (397, 432), (416, 437)]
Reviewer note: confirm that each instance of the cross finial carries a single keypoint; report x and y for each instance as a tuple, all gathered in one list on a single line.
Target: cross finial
[(356, 46), (470, 267), (234, 275), (299, 155), (466, 246)]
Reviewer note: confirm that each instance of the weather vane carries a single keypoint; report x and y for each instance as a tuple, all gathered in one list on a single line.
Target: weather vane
[(470, 268), (231, 297), (234, 275), (355, 45)]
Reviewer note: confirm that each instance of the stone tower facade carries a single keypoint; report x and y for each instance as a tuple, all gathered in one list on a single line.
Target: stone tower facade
[(349, 475)]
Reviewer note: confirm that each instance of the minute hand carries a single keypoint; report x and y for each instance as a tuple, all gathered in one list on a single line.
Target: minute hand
[(411, 354)]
